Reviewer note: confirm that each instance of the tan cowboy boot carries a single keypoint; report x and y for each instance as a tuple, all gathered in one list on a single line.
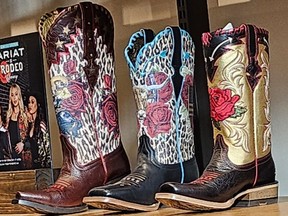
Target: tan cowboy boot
[(241, 167)]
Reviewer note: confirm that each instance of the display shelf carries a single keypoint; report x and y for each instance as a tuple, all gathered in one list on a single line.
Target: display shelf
[(279, 209)]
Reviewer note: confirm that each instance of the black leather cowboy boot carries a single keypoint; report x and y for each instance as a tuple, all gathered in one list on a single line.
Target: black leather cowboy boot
[(241, 168), (79, 45), (161, 71)]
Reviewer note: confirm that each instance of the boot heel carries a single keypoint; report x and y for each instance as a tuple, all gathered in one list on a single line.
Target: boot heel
[(263, 195)]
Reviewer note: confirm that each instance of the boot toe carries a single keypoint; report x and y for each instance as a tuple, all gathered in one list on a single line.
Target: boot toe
[(100, 192), (169, 187), (32, 196)]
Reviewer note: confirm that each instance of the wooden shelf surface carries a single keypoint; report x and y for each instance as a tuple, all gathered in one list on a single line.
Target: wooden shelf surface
[(278, 209)]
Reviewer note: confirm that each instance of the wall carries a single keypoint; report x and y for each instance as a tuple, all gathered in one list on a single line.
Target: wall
[(271, 15)]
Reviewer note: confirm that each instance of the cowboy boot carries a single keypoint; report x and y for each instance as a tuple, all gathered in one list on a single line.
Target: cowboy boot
[(79, 46), (241, 168), (161, 70)]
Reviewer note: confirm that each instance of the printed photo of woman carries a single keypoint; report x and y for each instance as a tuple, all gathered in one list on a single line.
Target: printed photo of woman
[(17, 126), (5, 145), (37, 132)]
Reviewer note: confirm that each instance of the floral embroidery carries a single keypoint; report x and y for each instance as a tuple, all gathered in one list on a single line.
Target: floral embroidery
[(222, 105), (164, 94), (76, 102), (110, 113), (107, 82), (69, 67), (158, 118), (185, 92)]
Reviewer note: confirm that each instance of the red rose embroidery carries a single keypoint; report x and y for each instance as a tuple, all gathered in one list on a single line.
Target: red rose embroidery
[(165, 92), (222, 103), (206, 38), (107, 82), (185, 91), (70, 67), (75, 103), (110, 113), (158, 119)]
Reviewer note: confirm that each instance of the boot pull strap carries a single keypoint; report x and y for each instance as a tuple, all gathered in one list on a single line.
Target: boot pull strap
[(88, 26), (87, 13), (149, 35), (253, 68), (176, 61)]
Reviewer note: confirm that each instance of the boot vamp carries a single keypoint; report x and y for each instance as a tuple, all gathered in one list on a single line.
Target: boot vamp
[(61, 197), (222, 180), (69, 188), (141, 185), (211, 188)]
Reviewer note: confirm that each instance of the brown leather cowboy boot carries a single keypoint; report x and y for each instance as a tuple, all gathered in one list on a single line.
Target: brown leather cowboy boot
[(161, 71), (241, 167), (79, 47)]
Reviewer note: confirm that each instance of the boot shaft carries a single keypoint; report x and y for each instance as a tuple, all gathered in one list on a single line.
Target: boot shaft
[(161, 71), (237, 63), (79, 48)]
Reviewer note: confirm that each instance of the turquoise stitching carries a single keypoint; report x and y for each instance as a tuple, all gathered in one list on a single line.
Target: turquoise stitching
[(177, 122)]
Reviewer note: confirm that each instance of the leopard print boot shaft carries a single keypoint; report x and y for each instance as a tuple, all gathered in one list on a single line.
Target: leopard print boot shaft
[(79, 48), (241, 168), (161, 71)]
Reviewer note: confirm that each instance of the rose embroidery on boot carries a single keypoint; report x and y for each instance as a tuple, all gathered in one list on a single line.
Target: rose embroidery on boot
[(76, 102), (163, 94), (158, 119), (222, 105), (185, 92), (107, 82), (69, 67), (109, 114)]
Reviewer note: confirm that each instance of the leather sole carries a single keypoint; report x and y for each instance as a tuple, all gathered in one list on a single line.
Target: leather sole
[(261, 195), (38, 207), (117, 204)]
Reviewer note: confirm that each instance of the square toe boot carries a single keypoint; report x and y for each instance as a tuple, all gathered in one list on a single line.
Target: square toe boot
[(241, 168), (161, 71), (78, 41)]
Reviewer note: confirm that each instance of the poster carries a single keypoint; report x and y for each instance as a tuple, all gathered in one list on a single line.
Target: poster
[(24, 131)]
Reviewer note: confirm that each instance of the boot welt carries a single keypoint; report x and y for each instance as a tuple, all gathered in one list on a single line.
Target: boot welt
[(42, 208), (261, 195), (117, 204)]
